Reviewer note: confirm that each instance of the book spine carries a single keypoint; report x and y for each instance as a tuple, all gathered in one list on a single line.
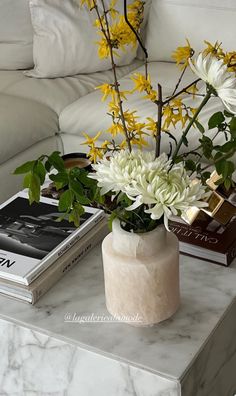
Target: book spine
[(66, 266), (68, 243)]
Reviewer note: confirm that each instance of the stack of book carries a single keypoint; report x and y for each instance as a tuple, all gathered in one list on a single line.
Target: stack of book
[(36, 249), (206, 239)]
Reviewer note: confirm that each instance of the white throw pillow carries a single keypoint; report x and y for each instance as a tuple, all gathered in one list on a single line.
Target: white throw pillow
[(16, 35), (172, 21), (65, 40)]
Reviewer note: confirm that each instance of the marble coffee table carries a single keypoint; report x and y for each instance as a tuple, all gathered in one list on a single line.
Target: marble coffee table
[(44, 352)]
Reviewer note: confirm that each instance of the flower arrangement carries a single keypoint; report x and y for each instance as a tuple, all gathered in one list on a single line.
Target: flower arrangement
[(139, 186)]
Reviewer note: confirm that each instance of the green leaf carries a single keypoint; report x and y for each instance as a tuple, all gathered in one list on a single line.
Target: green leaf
[(232, 126), (76, 186), (25, 168), (40, 170), (56, 161), (207, 146), (216, 119), (85, 180), (76, 213), (65, 201), (83, 200), (229, 146), (224, 168), (228, 169), (227, 184), (48, 166), (190, 165), (60, 177), (34, 188), (26, 181), (178, 159), (205, 176)]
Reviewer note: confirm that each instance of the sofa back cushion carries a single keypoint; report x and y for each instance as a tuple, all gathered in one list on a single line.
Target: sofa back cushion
[(172, 21), (16, 35), (65, 39)]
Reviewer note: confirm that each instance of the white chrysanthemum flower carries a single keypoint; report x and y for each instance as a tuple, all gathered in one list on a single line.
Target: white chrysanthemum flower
[(163, 189), (122, 168), (214, 72), (170, 194)]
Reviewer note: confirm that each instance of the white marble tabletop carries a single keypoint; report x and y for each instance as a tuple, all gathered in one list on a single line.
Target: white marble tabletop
[(168, 348)]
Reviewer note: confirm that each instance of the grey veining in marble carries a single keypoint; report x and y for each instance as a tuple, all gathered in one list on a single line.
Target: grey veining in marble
[(168, 348), (36, 364)]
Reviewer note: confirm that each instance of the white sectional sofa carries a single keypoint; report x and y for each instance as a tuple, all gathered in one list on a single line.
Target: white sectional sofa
[(38, 115)]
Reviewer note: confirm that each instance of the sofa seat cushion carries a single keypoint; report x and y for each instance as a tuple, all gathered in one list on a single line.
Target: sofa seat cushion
[(89, 114), (23, 123), (57, 93)]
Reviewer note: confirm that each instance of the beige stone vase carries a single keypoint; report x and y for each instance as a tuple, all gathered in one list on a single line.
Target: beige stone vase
[(141, 273)]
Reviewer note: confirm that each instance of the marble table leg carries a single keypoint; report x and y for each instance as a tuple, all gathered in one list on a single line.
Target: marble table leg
[(213, 373)]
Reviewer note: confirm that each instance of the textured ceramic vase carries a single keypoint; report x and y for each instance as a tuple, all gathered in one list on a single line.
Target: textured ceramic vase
[(141, 273)]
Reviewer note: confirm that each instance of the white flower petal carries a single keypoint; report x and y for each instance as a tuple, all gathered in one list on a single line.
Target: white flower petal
[(214, 72)]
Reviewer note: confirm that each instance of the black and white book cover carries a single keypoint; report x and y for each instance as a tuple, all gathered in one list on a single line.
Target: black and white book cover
[(32, 238)]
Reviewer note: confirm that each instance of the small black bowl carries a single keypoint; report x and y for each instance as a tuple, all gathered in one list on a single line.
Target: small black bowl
[(80, 160)]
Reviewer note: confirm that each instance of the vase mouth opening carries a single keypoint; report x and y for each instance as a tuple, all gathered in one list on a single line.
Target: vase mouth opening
[(117, 226)]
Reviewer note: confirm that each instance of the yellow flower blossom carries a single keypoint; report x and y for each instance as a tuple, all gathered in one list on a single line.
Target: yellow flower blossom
[(182, 55), (139, 141), (90, 141), (136, 13), (213, 49), (107, 90), (141, 83), (179, 117), (113, 12), (152, 95), (103, 49), (152, 126), (136, 5), (105, 144), (216, 50), (119, 34), (119, 31), (136, 127), (177, 102), (98, 23), (95, 153), (169, 117), (89, 3), (193, 90), (114, 108), (123, 144), (113, 3), (230, 61), (115, 129), (130, 116)]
